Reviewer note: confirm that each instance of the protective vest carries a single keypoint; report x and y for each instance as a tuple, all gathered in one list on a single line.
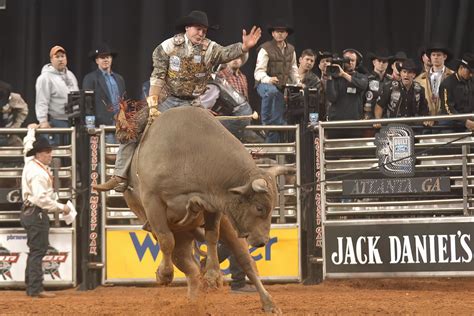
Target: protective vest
[(187, 75), (229, 98)]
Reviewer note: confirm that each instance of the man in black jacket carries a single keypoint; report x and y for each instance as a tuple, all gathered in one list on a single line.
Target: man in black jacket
[(108, 86), (457, 92), (346, 90)]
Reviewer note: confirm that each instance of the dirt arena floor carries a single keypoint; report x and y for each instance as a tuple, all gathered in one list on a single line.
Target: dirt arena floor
[(388, 296)]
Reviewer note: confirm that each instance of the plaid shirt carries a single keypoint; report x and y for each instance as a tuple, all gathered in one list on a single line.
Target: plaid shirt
[(237, 80)]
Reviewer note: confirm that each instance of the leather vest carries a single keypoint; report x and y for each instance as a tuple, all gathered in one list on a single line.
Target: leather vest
[(396, 100), (279, 62)]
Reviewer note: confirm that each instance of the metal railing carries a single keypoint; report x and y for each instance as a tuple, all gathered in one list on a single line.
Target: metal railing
[(288, 207), (437, 154)]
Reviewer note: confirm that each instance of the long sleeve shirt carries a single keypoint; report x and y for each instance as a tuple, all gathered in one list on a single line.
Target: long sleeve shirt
[(37, 180)]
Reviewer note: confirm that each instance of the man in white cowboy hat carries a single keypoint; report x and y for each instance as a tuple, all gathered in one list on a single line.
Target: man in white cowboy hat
[(182, 66), (457, 90), (276, 67), (39, 198), (108, 86), (431, 80)]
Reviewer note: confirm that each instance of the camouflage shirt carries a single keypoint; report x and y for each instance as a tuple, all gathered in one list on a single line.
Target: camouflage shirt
[(184, 69)]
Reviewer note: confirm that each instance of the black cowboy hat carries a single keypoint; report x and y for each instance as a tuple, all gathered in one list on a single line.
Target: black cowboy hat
[(40, 144), (408, 65), (280, 24), (399, 56), (321, 55), (102, 49), (467, 61), (5, 91), (194, 18), (439, 47), (380, 54)]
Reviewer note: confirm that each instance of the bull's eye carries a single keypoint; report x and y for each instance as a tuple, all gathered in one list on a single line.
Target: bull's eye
[(260, 209)]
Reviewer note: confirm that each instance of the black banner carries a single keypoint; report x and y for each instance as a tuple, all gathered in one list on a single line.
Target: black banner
[(379, 187), (407, 247)]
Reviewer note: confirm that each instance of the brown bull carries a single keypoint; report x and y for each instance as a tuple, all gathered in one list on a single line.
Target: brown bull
[(187, 172)]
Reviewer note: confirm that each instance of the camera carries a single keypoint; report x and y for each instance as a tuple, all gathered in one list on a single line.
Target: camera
[(332, 70)]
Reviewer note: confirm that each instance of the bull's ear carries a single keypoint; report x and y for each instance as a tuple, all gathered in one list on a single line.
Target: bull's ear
[(260, 186), (242, 190)]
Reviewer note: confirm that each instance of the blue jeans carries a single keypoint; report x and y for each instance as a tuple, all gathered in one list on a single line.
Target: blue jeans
[(59, 139), (126, 150), (36, 224), (273, 108)]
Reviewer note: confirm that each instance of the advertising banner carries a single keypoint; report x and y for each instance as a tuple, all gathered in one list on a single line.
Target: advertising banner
[(57, 264), (435, 247), (135, 254)]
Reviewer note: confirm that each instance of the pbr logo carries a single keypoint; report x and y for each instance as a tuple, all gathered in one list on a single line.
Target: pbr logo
[(7, 259), (395, 150), (52, 261)]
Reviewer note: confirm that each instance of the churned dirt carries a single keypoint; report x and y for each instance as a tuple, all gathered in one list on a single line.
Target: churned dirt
[(335, 297)]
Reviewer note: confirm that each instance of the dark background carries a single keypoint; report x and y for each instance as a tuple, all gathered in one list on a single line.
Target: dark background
[(29, 28)]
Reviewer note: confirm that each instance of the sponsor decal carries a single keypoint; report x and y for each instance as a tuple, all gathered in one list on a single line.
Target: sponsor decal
[(7, 259)]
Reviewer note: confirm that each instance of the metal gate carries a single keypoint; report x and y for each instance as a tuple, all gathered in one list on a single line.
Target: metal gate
[(60, 262), (402, 226)]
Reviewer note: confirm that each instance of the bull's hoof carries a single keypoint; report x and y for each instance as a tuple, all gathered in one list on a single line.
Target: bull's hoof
[(213, 279), (272, 310), (269, 306), (164, 277)]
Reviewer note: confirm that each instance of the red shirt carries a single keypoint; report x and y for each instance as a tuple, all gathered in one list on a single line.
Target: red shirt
[(236, 79)]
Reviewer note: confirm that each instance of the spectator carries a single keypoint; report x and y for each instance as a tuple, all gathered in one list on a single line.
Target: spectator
[(52, 89), (431, 80), (182, 68), (404, 97), (307, 76), (276, 67), (397, 60), (457, 92), (345, 90), (232, 75), (425, 62), (13, 113), (377, 79), (323, 60), (108, 86)]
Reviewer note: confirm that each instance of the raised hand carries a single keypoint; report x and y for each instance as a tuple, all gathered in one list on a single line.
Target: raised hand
[(249, 40)]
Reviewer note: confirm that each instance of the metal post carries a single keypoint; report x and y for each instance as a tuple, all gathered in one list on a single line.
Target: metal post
[(465, 198), (308, 214)]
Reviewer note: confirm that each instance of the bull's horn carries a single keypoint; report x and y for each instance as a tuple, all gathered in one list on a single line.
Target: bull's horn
[(260, 185), (279, 170)]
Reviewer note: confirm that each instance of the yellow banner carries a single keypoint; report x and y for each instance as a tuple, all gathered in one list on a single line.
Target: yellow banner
[(135, 254)]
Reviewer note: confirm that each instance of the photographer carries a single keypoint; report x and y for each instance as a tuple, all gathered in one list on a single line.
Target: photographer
[(346, 87)]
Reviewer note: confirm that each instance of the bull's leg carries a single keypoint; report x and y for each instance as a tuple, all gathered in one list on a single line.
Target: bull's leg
[(212, 276), (183, 258), (239, 248), (155, 211)]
